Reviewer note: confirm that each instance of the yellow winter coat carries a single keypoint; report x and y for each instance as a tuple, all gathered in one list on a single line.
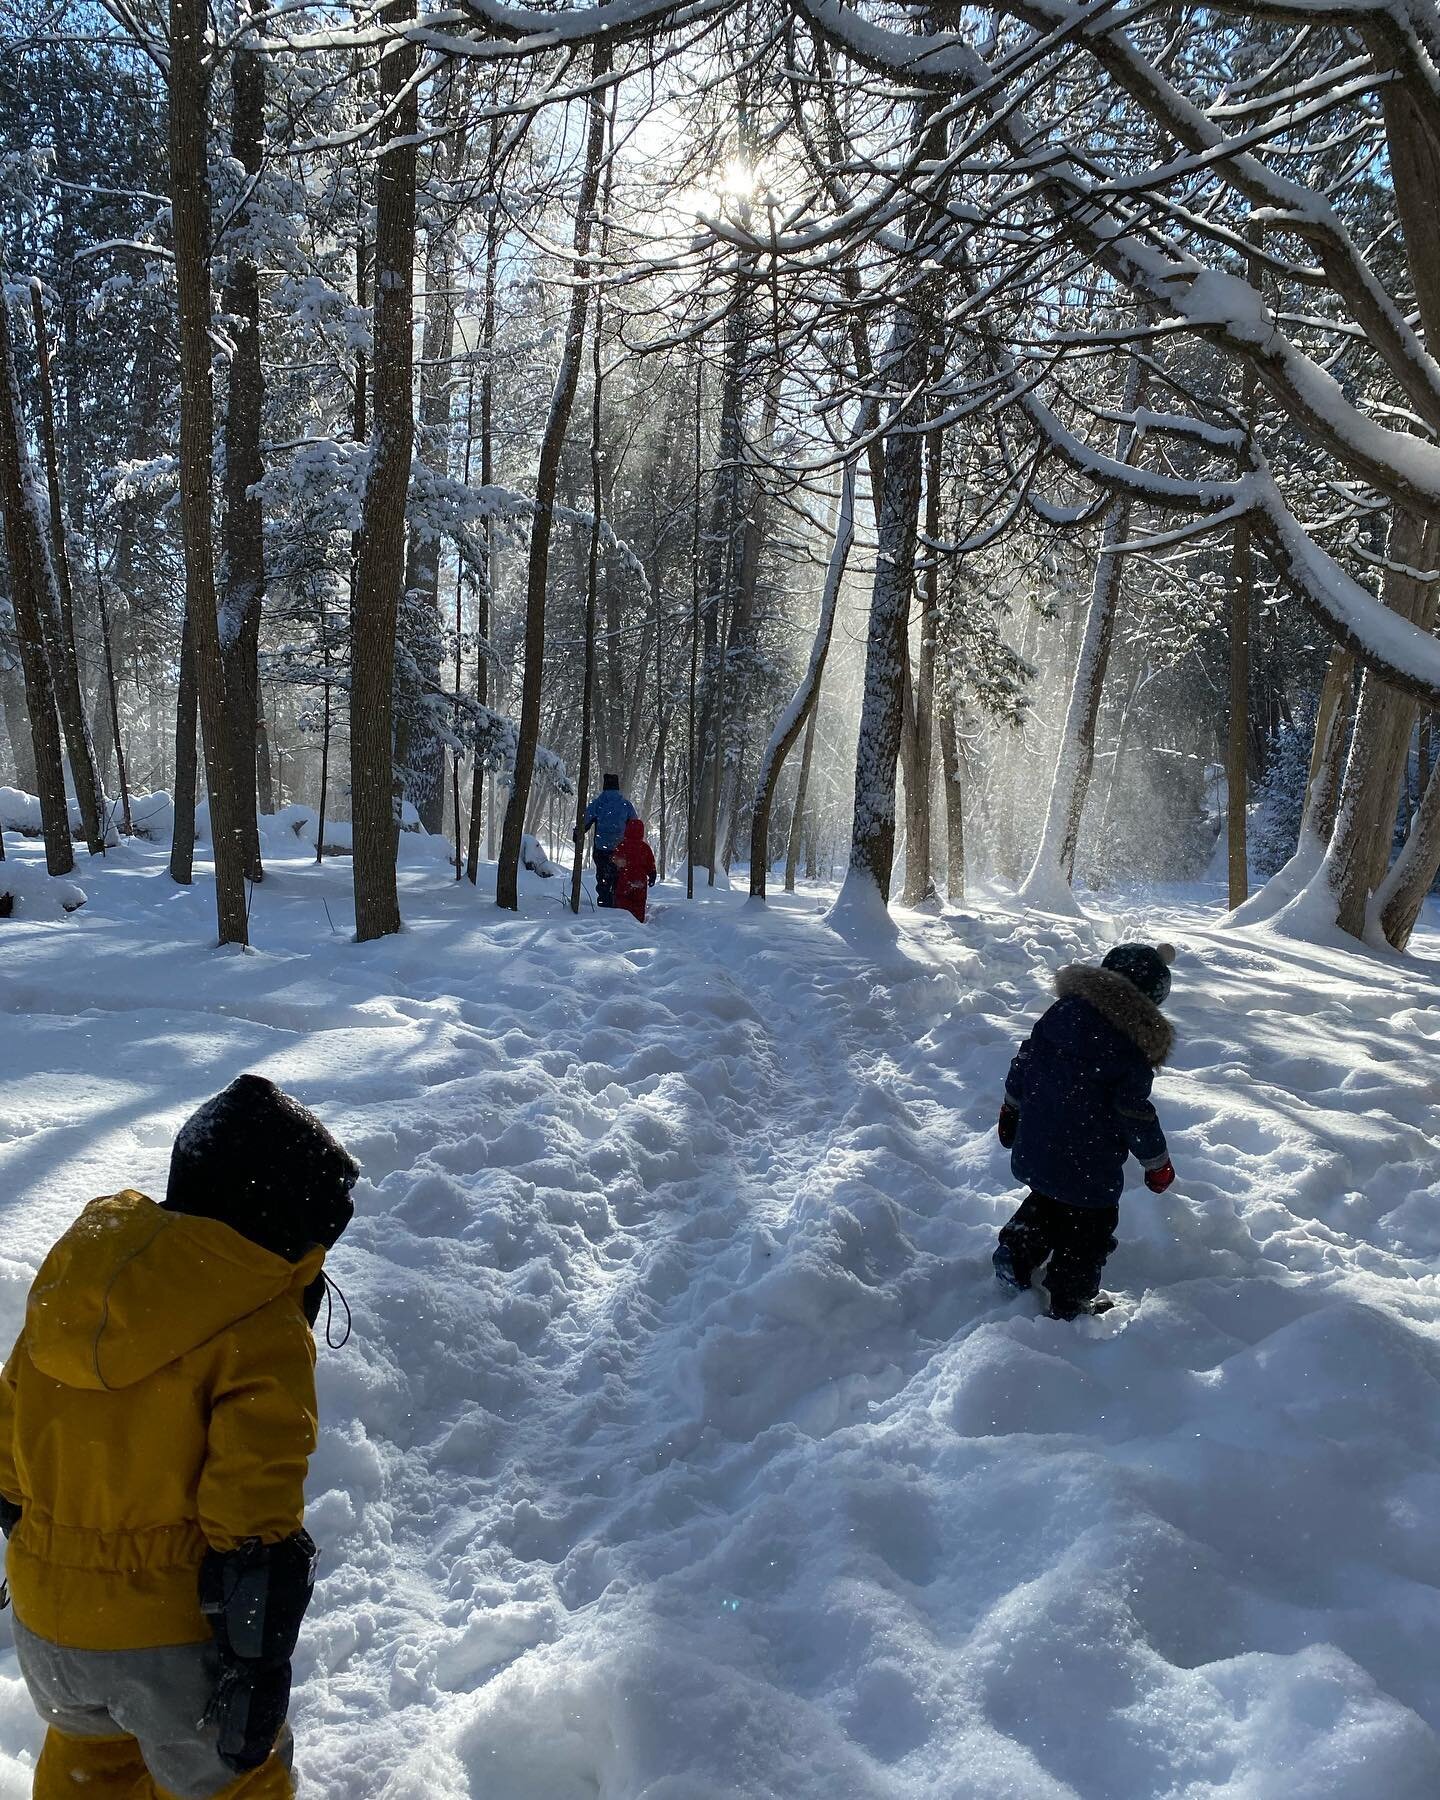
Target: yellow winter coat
[(160, 1399)]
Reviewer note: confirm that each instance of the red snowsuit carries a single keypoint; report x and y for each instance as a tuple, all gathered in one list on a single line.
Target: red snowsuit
[(634, 869)]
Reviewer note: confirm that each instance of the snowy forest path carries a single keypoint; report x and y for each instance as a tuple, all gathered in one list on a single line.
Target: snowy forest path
[(684, 1447)]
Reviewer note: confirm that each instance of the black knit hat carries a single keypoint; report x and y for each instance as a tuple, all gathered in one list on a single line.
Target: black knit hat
[(1145, 966), (264, 1165), (611, 781)]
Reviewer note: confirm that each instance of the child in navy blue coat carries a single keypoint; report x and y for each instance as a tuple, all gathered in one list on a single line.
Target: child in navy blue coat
[(1077, 1103)]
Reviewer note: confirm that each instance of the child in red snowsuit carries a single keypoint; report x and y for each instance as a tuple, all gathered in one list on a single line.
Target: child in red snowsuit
[(635, 870)]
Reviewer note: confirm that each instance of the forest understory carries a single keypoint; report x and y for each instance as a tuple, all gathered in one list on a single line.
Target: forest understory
[(684, 1446)]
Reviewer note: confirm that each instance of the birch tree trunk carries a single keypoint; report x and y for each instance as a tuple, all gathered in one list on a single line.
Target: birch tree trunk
[(507, 888), (1053, 870), (23, 546), (380, 550), (803, 703), (919, 877), (243, 528)]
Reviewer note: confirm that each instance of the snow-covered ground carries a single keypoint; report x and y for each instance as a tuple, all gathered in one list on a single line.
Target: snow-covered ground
[(684, 1447)]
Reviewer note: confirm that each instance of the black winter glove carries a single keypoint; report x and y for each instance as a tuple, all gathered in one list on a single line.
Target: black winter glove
[(9, 1516), (249, 1711), (255, 1599), (1009, 1124)]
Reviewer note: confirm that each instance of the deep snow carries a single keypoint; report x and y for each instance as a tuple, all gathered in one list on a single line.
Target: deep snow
[(684, 1447)]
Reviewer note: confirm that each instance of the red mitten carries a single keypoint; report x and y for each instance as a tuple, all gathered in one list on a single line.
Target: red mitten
[(1157, 1180), (1009, 1124)]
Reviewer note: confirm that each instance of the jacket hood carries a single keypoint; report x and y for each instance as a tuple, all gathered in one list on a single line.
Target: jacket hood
[(131, 1288), (1121, 1004), (634, 831)]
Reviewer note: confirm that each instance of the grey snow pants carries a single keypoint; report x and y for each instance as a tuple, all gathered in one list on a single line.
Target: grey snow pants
[(157, 1697)]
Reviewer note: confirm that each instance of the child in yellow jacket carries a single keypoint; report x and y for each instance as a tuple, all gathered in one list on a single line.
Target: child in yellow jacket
[(157, 1416)]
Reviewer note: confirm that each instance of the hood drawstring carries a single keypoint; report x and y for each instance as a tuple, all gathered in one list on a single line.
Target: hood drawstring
[(332, 1294)]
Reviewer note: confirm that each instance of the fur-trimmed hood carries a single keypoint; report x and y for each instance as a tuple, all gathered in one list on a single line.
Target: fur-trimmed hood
[(1122, 1005)]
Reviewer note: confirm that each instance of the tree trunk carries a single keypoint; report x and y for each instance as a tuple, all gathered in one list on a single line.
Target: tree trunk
[(803, 705), (1401, 894), (185, 794), (243, 526), (592, 583), (552, 444), (1237, 760), (905, 368), (1322, 795), (112, 692), (720, 557), (190, 212), (692, 813), (24, 547), (1053, 870), (12, 704), (420, 747), (1375, 769), (951, 771), (380, 557), (919, 877), (485, 597), (1242, 582), (59, 608)]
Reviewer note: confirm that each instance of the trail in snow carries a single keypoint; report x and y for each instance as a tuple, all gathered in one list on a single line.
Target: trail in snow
[(684, 1447)]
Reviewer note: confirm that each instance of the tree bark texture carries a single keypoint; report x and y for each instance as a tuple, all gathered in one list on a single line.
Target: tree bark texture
[(24, 546), (919, 876), (1384, 720), (803, 703), (60, 609), (562, 400), (904, 371), (951, 770), (1401, 894), (190, 212), (380, 551), (243, 526), (1237, 747)]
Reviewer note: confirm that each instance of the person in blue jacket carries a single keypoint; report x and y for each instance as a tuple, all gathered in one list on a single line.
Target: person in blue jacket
[(608, 814), (1077, 1104)]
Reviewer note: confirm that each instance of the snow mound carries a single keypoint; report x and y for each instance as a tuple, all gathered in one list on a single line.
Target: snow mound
[(32, 894)]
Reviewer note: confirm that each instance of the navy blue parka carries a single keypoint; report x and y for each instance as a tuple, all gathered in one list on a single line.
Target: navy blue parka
[(1081, 1083)]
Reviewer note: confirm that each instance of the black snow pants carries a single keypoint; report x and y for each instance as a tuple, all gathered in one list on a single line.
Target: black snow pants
[(604, 877), (1076, 1239)]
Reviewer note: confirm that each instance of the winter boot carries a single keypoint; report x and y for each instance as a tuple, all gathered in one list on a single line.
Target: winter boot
[(1008, 1272), (1066, 1308)]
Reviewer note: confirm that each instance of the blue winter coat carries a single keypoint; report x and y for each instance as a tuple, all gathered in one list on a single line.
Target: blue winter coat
[(609, 812), (1081, 1082)]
